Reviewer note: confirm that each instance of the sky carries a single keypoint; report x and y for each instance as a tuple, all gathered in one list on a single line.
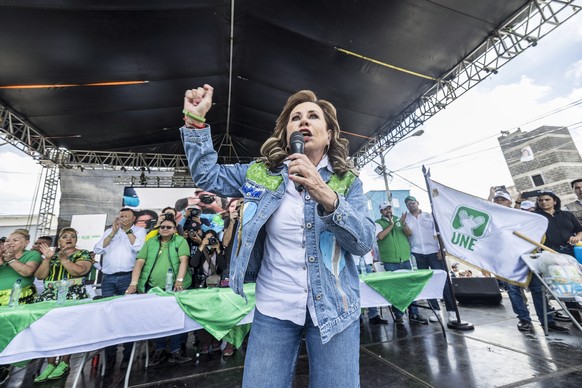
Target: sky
[(459, 144)]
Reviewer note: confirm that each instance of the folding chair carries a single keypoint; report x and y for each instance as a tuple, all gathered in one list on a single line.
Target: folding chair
[(532, 265)]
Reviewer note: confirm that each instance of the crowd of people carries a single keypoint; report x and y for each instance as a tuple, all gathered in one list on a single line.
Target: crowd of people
[(303, 233), (136, 252)]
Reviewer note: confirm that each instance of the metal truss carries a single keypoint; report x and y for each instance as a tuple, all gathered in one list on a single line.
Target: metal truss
[(47, 200), (521, 31), (155, 181), (17, 132), (22, 136)]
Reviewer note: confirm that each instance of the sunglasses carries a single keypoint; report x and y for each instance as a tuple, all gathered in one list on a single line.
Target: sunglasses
[(166, 227)]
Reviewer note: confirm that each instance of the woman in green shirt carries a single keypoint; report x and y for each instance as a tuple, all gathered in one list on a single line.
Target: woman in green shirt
[(66, 262), (16, 262), (167, 250)]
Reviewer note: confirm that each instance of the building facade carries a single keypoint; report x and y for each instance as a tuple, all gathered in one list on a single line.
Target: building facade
[(543, 159)]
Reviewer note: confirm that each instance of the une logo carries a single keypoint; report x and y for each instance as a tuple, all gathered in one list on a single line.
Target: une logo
[(469, 224)]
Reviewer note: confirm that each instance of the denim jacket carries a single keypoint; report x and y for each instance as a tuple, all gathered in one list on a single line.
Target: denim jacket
[(332, 241)]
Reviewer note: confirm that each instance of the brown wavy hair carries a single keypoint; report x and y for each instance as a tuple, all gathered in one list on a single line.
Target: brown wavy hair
[(274, 149)]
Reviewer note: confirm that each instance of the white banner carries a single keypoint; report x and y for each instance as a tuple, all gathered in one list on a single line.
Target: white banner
[(90, 228), (481, 232)]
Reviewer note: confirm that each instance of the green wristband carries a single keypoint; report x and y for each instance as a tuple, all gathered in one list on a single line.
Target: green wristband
[(193, 116)]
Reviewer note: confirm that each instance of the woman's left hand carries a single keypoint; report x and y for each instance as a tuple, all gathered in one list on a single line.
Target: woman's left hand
[(178, 286), (303, 172)]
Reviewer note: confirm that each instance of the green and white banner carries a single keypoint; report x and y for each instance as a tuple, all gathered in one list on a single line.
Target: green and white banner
[(481, 232)]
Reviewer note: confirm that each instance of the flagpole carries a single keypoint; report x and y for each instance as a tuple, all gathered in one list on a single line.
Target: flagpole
[(459, 324), (537, 244)]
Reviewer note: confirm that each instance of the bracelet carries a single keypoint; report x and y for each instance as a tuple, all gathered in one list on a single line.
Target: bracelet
[(10, 261), (133, 284), (193, 116), (109, 237), (193, 124)]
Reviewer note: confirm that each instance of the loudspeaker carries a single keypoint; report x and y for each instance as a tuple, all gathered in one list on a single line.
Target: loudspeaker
[(477, 291)]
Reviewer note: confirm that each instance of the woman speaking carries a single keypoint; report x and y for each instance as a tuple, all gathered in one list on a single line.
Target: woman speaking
[(302, 223)]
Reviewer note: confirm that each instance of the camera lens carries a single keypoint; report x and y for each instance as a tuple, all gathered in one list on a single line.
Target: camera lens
[(207, 199), (168, 216), (212, 241)]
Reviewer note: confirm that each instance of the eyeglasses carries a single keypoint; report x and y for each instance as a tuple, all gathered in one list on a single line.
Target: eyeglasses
[(166, 227)]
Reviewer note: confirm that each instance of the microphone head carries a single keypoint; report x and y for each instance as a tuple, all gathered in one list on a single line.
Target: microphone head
[(296, 143)]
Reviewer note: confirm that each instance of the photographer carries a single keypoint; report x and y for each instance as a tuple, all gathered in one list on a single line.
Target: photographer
[(168, 213), (208, 265), (193, 228), (209, 262)]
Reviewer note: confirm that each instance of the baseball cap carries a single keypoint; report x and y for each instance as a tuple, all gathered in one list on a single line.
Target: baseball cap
[(409, 198), (502, 194), (526, 205), (384, 205)]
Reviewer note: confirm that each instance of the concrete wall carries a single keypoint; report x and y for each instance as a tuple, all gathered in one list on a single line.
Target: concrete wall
[(556, 159)]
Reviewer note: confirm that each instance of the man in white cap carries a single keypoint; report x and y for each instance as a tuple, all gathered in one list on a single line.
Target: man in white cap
[(392, 237), (528, 206)]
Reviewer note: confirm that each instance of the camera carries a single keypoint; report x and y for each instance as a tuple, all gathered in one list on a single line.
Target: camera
[(212, 241), (168, 216), (501, 188), (207, 199), (529, 194), (194, 212)]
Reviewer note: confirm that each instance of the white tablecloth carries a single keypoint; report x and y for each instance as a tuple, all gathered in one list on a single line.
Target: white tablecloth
[(92, 326)]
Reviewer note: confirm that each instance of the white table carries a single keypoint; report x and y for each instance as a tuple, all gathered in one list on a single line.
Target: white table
[(88, 327)]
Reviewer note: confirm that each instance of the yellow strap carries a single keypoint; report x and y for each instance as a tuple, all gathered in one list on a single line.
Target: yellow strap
[(385, 64)]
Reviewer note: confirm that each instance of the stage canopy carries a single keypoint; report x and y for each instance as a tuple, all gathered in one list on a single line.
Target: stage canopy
[(86, 83)]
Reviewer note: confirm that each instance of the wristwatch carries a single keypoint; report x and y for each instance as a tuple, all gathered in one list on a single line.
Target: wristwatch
[(129, 231), (179, 279)]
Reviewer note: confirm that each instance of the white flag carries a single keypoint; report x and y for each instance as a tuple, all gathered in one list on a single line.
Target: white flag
[(481, 232)]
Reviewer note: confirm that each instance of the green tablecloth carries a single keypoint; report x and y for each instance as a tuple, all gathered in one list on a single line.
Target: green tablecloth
[(13, 320), (398, 288), (219, 310)]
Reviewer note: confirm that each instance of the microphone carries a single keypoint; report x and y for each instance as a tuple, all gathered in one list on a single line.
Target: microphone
[(297, 146)]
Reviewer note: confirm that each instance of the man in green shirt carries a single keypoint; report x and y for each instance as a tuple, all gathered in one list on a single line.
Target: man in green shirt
[(394, 249)]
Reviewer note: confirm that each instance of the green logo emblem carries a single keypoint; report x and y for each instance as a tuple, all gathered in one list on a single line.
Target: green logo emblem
[(471, 222)]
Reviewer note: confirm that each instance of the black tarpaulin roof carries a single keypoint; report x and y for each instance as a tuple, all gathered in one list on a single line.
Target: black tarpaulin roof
[(279, 47)]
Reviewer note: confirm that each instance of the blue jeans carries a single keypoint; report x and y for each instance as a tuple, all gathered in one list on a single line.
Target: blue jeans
[(431, 261), (112, 285), (274, 346), (518, 304), (394, 267), (176, 342)]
